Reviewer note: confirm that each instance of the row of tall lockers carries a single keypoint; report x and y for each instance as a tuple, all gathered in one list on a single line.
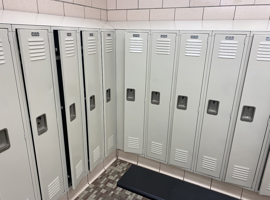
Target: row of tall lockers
[(58, 99), (199, 100)]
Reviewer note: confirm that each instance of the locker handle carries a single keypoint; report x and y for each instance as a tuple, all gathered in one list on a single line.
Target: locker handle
[(155, 98), (212, 108), (41, 124), (248, 113), (108, 95), (182, 102), (130, 94), (72, 111), (92, 102), (4, 140)]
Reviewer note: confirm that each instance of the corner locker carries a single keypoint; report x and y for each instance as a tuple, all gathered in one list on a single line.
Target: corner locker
[(253, 115), (192, 58), (93, 92), (135, 88), (37, 68), (160, 86), (225, 68)]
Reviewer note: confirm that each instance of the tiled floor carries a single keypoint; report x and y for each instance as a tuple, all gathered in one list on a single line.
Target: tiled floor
[(104, 187)]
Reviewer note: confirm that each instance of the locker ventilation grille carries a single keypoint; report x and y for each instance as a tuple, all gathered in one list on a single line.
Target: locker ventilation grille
[(109, 45), (240, 173), (180, 155), (79, 169), (136, 45), (53, 187), (70, 46), (193, 48), (110, 142), (227, 49), (133, 142), (91, 45), (209, 163), (264, 51), (2, 57), (36, 49), (96, 154), (163, 46), (156, 148), (268, 187)]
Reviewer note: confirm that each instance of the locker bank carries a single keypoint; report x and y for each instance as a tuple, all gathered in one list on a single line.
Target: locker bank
[(83, 102)]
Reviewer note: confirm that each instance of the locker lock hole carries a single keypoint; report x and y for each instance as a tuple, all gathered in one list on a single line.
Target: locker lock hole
[(108, 95), (155, 98), (41, 124), (72, 112), (182, 102), (4, 140), (213, 107), (92, 102), (248, 113), (130, 94)]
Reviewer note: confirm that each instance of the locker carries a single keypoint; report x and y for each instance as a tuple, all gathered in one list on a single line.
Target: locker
[(161, 73), (220, 98), (93, 92), (253, 116), (265, 184), (37, 68), (109, 89), (135, 88), (192, 58)]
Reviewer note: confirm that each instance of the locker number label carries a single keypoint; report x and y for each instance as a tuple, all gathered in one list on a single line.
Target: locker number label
[(136, 35), (69, 34), (35, 33), (163, 36), (194, 36), (229, 38), (267, 38)]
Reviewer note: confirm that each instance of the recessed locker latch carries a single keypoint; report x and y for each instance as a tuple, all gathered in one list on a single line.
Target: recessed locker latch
[(4, 140), (182, 102), (92, 102), (72, 111), (248, 113), (108, 95), (130, 94), (41, 124), (213, 107), (155, 98)]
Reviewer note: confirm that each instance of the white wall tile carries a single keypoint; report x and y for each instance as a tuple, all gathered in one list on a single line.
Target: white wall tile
[(150, 3), (127, 4), (109, 159), (99, 4), (103, 15), (236, 2), (21, 5), (252, 12), (72, 194), (204, 2), (117, 15), (172, 171), (226, 188), (175, 3), (262, 1), (219, 13), (129, 157), (51, 7), (138, 15), (73, 10), (83, 2), (148, 163), (197, 179), (111, 4), (249, 195), (188, 13), (92, 13), (162, 14)]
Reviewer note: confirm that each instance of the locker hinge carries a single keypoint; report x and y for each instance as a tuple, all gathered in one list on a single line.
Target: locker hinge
[(8, 36)]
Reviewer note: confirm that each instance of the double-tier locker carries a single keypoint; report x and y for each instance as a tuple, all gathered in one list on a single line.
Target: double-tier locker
[(160, 84), (225, 69), (265, 183), (93, 94), (191, 68), (135, 88), (253, 116), (109, 89), (38, 77)]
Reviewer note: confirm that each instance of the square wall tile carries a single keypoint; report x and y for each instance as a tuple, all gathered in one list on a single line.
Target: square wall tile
[(99, 169), (129, 157), (197, 179), (252, 12), (109, 159), (83, 2), (72, 10), (204, 3), (138, 15), (162, 14), (73, 193), (127, 4), (148, 163), (150, 3), (51, 7), (219, 13), (188, 13), (103, 15), (262, 1), (226, 188), (92, 13), (249, 195), (21, 5), (175, 3), (236, 2), (99, 4), (111, 4), (172, 171), (117, 15)]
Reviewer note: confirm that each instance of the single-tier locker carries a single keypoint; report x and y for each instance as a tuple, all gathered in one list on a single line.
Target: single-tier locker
[(265, 183)]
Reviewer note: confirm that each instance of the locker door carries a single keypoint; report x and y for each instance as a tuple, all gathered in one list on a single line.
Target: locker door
[(253, 116), (108, 62), (265, 184), (162, 63), (222, 83), (192, 58), (135, 79), (93, 89), (13, 150), (71, 85), (36, 61)]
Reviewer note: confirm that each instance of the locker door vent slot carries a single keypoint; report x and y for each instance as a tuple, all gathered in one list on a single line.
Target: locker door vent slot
[(163, 46), (92, 102), (108, 95), (240, 173), (96, 154), (4, 140), (182, 102), (213, 106), (36, 49), (193, 48), (70, 47), (180, 155), (91, 46), (53, 188), (109, 45), (268, 186), (209, 163), (110, 142), (79, 169), (248, 113), (133, 142), (41, 124), (136, 45), (130, 94), (228, 49), (155, 98), (264, 51), (156, 148), (72, 111), (2, 57)]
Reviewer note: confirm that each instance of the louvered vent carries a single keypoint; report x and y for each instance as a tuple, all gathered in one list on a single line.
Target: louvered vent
[(91, 45), (136, 45), (209, 163), (193, 48), (227, 49), (96, 154), (240, 173), (268, 187), (2, 56), (109, 44), (36, 49), (110, 142), (53, 188), (181, 155), (133, 142), (79, 169), (156, 148), (264, 51), (69, 46), (163, 46)]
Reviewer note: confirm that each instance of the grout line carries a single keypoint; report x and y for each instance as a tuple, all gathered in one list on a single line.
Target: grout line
[(37, 7), (174, 14), (242, 193), (203, 13), (234, 12)]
